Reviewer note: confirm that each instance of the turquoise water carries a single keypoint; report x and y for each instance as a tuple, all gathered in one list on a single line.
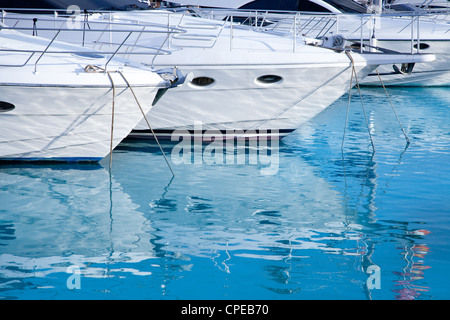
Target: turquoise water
[(322, 223)]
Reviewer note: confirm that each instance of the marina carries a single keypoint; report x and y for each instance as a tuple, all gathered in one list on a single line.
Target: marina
[(126, 174), (228, 231)]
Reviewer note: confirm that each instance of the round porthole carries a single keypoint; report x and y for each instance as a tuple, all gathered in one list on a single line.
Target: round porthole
[(422, 46), (202, 81), (6, 106), (269, 79)]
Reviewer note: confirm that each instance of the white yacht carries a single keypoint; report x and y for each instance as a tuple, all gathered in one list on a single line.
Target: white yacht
[(413, 31), (241, 81), (63, 102)]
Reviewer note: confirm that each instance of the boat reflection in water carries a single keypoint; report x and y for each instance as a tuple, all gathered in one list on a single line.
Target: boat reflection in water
[(414, 254), (65, 215)]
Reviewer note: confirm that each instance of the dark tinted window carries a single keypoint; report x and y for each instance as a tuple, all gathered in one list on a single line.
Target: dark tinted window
[(269, 78), (422, 46), (349, 6), (311, 7), (288, 5), (202, 81), (6, 106)]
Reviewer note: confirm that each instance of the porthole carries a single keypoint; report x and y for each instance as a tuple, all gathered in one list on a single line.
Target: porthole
[(6, 106), (269, 79), (422, 46), (202, 81)]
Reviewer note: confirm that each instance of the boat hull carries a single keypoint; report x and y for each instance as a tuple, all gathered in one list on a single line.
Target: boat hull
[(238, 106), (435, 73), (66, 124)]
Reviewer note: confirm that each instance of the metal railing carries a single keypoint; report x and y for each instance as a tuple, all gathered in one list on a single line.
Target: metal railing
[(204, 33), (127, 30), (319, 25)]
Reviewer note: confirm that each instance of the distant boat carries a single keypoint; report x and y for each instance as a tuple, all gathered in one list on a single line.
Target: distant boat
[(62, 102), (413, 31)]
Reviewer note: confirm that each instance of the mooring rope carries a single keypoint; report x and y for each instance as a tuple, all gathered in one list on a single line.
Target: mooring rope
[(360, 95), (393, 108), (146, 120), (112, 120), (348, 108)]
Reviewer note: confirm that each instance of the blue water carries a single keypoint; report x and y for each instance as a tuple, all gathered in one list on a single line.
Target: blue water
[(323, 223)]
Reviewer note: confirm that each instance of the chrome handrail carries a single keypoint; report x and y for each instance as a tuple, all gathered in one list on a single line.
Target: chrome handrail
[(128, 30), (316, 25)]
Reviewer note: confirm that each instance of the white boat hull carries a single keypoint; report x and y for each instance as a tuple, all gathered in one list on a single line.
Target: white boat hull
[(436, 73), (67, 124), (392, 31), (69, 116), (61, 102), (400, 34), (238, 105)]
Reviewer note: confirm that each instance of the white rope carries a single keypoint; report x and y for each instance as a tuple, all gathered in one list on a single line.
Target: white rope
[(146, 120), (392, 105), (360, 95), (348, 108), (112, 121)]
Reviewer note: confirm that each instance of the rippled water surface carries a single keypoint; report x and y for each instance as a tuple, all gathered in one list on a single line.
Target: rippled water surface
[(322, 223)]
